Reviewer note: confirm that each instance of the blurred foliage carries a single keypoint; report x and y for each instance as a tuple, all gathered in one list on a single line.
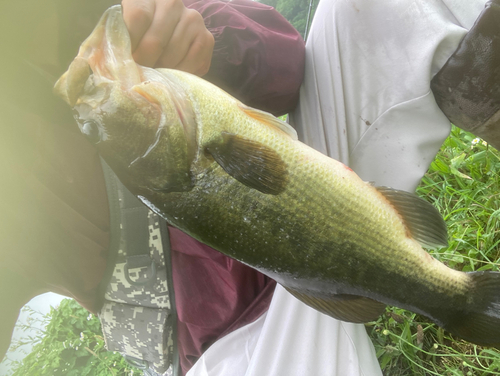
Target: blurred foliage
[(71, 345), (295, 11)]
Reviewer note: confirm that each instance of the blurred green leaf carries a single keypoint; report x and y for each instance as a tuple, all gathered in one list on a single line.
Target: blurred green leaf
[(72, 344)]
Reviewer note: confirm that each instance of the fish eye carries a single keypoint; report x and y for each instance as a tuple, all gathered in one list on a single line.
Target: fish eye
[(90, 128)]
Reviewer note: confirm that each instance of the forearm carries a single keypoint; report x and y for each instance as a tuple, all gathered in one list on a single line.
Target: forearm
[(258, 56), (467, 88)]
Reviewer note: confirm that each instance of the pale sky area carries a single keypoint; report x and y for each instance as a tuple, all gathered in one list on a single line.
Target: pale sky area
[(40, 304)]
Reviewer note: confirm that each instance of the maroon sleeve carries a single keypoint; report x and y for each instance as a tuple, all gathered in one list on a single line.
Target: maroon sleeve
[(214, 295), (258, 56)]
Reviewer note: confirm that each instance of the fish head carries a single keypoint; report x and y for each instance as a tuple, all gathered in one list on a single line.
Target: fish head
[(136, 124)]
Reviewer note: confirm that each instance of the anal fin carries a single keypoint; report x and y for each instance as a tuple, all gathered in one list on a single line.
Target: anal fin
[(350, 308)]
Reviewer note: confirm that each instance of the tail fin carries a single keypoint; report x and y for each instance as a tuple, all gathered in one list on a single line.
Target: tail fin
[(479, 322)]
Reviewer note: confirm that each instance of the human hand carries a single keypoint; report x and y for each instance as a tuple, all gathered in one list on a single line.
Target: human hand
[(166, 34)]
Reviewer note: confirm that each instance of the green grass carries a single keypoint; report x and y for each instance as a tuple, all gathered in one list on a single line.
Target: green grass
[(463, 183)]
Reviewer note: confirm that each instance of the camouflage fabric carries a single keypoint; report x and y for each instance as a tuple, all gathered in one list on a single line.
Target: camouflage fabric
[(139, 332), (169, 372), (137, 320), (152, 295)]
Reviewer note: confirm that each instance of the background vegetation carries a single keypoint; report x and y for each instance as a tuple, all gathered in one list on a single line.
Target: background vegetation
[(70, 345), (295, 11)]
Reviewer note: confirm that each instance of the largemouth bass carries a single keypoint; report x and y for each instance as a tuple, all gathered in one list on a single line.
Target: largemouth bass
[(238, 180)]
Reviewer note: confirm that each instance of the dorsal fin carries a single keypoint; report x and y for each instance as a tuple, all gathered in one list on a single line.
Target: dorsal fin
[(350, 308), (422, 220), (270, 120), (251, 163)]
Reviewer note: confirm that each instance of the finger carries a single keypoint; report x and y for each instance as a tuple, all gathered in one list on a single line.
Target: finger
[(199, 57), (190, 24), (138, 16), (166, 17)]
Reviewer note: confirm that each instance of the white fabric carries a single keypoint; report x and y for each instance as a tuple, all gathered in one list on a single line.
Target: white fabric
[(365, 101), (292, 339), (366, 98)]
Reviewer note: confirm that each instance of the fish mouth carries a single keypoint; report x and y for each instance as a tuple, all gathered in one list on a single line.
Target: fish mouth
[(106, 53)]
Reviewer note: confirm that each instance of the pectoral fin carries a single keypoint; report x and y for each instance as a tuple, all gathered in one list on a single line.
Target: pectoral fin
[(251, 163), (350, 308), (270, 120), (423, 221)]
